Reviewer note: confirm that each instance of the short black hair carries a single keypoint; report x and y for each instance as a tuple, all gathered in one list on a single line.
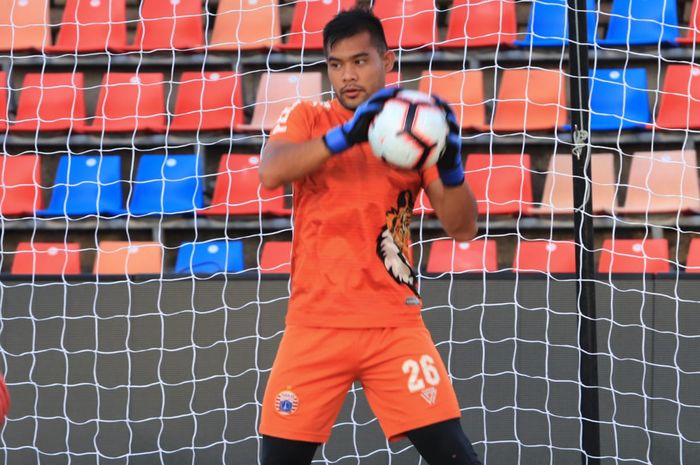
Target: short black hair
[(350, 23)]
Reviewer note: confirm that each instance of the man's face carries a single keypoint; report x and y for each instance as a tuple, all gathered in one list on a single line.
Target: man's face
[(357, 69)]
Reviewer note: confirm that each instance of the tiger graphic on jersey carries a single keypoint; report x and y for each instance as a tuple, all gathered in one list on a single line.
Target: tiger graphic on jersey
[(393, 242)]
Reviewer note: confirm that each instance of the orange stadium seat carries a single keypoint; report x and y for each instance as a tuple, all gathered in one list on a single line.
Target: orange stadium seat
[(129, 102), (481, 23), (407, 24), (246, 25), (128, 257), (502, 183), (694, 32), (208, 101), (558, 192), (545, 256), (92, 26), (692, 264), (3, 101), (46, 258), (19, 185), (680, 98), (456, 257), (463, 90), (530, 100), (393, 79), (662, 182), (169, 24), (238, 190), (24, 25), (51, 102), (276, 257), (310, 16), (278, 91), (634, 256)]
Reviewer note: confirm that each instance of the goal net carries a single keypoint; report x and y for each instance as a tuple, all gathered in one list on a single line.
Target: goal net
[(145, 271)]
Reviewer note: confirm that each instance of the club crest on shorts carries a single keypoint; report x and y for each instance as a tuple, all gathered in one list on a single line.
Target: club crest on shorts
[(286, 402)]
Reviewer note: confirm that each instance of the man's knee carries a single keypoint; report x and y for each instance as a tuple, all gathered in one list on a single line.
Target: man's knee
[(278, 451), (444, 443)]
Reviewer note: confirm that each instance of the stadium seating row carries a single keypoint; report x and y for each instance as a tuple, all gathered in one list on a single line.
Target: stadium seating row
[(101, 25), (119, 257), (658, 182), (528, 100)]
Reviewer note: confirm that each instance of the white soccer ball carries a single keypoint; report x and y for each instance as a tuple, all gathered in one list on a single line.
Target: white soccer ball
[(410, 132)]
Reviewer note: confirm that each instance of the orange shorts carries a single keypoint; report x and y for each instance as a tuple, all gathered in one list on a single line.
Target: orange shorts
[(402, 374)]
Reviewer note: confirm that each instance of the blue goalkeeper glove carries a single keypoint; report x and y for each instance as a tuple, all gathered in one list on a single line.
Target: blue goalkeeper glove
[(450, 165), (342, 137)]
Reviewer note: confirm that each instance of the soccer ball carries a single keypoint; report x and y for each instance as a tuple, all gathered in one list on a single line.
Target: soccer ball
[(410, 132)]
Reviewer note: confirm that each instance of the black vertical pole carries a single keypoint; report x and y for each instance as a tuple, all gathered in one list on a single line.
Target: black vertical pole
[(583, 230)]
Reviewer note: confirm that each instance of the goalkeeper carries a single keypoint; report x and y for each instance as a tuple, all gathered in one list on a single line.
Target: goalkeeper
[(354, 311)]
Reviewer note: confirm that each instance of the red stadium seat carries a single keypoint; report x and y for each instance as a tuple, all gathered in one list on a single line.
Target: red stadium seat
[(246, 25), (129, 102), (545, 256), (463, 90), (51, 102), (407, 24), (694, 33), (24, 25), (634, 256), (310, 16), (46, 258), (208, 101), (481, 23), (502, 184), (530, 100), (128, 257), (3, 101), (92, 26), (19, 185), (238, 190), (393, 79), (276, 257), (692, 264), (169, 24), (457, 257), (679, 107)]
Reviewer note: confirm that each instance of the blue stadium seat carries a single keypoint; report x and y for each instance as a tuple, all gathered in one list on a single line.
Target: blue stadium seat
[(644, 21), (547, 24), (210, 257), (619, 99), (86, 185), (167, 184)]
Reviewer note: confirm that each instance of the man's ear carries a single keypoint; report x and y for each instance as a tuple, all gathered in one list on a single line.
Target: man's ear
[(389, 60)]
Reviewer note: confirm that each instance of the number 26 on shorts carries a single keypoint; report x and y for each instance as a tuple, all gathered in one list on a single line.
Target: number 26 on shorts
[(421, 372)]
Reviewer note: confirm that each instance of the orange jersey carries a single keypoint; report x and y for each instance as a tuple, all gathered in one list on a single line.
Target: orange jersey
[(351, 257)]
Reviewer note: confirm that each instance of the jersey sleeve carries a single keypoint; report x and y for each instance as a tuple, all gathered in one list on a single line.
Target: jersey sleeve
[(429, 175), (294, 123)]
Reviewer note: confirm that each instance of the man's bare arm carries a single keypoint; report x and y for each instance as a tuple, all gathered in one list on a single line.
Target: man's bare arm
[(284, 162), (456, 209)]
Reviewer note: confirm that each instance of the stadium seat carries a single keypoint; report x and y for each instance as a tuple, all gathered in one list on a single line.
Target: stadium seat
[(51, 102), (168, 25), (310, 16), (481, 23), (246, 25), (547, 26), (634, 256), (692, 264), (92, 26), (86, 185), (662, 182), (407, 24), (167, 184), (558, 192), (693, 34), (679, 107), (128, 258), (19, 185), (46, 258), (619, 99), (545, 256), (210, 257), (278, 91), (530, 100), (463, 90), (130, 102), (24, 25), (208, 101), (502, 183), (448, 256), (238, 190), (634, 22), (393, 79), (276, 257), (3, 101)]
